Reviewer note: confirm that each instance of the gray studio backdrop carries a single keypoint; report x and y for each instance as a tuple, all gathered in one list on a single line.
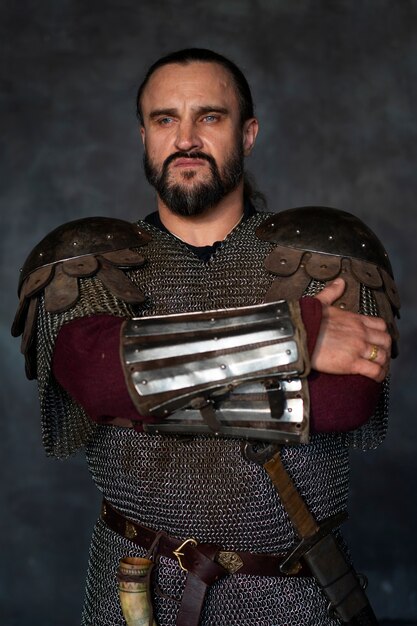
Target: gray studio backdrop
[(335, 86)]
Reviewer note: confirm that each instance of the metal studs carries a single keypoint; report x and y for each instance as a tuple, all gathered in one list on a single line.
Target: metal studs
[(143, 382), (363, 245), (109, 236), (283, 261), (330, 237), (75, 243), (41, 254), (288, 351), (223, 366), (130, 530), (298, 231)]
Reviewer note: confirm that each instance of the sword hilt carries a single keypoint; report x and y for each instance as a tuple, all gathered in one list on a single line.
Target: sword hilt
[(324, 528)]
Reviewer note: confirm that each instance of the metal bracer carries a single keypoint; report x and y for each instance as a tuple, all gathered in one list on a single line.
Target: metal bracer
[(231, 372)]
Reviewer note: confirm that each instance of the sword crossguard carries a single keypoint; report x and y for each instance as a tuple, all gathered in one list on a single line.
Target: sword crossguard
[(289, 564)]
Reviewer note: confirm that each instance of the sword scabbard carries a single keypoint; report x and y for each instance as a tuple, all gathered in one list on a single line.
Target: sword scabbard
[(339, 581), (317, 546)]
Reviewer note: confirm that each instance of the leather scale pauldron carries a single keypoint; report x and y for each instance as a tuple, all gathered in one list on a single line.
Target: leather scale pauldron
[(96, 246), (320, 243)]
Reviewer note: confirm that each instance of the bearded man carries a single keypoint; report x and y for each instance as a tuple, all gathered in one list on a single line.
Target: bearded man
[(217, 362)]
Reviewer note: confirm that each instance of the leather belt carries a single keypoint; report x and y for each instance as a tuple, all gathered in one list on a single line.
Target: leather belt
[(204, 563)]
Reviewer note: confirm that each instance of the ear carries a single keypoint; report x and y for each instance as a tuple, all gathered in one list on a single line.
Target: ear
[(142, 134), (250, 131)]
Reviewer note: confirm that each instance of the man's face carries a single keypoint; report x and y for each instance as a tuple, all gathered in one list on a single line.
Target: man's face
[(194, 142)]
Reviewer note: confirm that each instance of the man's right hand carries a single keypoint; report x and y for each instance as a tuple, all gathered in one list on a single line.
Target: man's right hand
[(347, 341)]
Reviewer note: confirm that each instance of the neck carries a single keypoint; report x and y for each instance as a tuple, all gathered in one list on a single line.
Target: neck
[(212, 225)]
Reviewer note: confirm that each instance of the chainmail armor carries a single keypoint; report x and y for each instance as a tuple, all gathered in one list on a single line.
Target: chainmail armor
[(161, 481), (65, 425)]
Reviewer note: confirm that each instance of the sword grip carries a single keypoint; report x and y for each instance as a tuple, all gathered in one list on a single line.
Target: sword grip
[(296, 508)]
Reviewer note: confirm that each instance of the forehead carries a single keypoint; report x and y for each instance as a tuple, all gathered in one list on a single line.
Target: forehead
[(195, 83)]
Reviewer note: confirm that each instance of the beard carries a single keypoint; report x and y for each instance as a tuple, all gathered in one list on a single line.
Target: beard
[(193, 199)]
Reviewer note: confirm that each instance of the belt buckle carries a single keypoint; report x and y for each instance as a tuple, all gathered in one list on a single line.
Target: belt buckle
[(179, 554)]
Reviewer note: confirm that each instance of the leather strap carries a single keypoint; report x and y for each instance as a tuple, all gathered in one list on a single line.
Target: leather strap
[(250, 563), (205, 564), (203, 574)]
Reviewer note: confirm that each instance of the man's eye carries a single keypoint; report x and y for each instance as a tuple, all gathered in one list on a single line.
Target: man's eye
[(210, 118), (165, 121)]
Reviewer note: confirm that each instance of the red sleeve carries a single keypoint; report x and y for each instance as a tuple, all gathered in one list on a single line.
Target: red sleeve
[(337, 403), (86, 363)]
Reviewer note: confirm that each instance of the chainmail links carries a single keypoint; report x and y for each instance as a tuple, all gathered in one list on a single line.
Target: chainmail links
[(198, 487)]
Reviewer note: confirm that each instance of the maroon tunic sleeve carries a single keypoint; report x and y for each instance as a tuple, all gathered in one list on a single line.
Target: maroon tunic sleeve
[(338, 403), (87, 365)]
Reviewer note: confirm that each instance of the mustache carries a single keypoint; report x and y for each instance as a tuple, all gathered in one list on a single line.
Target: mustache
[(188, 155)]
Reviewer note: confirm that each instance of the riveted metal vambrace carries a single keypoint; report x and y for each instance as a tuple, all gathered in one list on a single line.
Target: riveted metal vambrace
[(238, 369)]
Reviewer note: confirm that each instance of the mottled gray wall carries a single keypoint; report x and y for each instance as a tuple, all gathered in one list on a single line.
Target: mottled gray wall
[(335, 82)]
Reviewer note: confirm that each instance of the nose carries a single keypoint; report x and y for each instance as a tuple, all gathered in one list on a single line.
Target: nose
[(187, 136)]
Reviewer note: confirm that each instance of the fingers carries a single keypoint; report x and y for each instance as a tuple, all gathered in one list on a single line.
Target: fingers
[(377, 367), (374, 322), (350, 343), (375, 358), (332, 292), (379, 339), (372, 370)]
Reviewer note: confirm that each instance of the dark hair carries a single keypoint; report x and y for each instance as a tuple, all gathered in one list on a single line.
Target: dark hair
[(189, 55)]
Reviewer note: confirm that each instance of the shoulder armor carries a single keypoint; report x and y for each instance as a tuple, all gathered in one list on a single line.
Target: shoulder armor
[(84, 237), (321, 243), (83, 248)]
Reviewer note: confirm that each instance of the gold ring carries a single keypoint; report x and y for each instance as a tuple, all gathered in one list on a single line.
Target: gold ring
[(374, 353)]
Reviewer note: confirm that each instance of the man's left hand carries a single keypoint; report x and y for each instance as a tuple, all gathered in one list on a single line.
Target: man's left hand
[(350, 343)]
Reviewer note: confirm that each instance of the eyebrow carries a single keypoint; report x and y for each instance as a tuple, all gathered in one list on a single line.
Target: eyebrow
[(199, 110)]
